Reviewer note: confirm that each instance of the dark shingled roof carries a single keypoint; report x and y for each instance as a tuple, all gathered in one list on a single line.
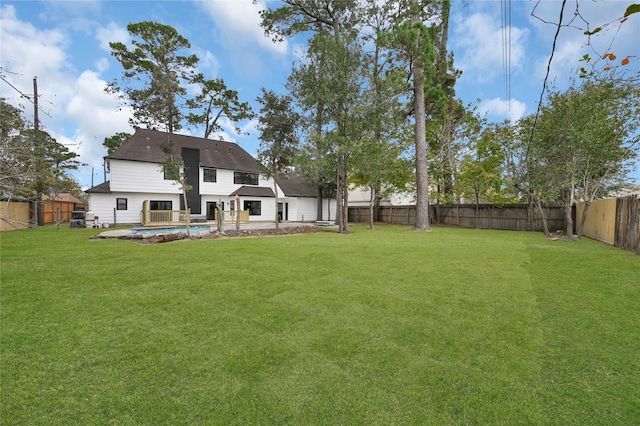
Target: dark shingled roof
[(146, 145), (253, 191), (103, 188), (295, 186)]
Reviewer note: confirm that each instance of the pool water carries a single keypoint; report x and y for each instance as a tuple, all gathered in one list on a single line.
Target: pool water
[(195, 230)]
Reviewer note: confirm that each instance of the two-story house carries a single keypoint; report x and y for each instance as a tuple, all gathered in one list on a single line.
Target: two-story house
[(217, 171)]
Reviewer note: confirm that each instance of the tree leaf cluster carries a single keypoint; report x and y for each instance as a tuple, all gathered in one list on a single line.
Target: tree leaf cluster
[(31, 161)]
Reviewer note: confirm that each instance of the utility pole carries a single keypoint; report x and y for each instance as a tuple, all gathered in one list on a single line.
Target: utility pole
[(36, 127), (35, 104)]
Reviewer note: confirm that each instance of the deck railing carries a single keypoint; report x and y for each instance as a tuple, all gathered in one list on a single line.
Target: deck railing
[(165, 217), (182, 217), (229, 216)]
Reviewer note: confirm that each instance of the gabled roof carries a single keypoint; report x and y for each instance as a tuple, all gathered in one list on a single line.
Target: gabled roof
[(295, 186), (253, 191), (103, 188), (146, 145)]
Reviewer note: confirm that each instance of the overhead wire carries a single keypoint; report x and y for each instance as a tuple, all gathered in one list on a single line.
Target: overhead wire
[(546, 78)]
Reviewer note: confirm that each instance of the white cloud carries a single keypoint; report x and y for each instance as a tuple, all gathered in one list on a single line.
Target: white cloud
[(478, 46), (112, 33), (208, 64), (502, 109), (97, 115), (27, 53), (239, 20)]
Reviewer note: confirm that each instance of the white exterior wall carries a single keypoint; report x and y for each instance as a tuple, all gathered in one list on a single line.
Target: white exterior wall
[(139, 181), (136, 176), (104, 206), (359, 197), (223, 186), (305, 209)]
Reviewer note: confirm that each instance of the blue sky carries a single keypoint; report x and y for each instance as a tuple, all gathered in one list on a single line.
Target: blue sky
[(65, 44)]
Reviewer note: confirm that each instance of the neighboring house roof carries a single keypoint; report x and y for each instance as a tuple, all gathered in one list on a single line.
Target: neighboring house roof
[(146, 145), (103, 188), (64, 198), (296, 186), (253, 191)]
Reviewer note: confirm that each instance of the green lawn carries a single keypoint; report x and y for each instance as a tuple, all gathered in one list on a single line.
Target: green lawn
[(454, 326)]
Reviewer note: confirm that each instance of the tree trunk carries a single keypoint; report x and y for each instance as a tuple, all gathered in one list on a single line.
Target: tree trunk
[(422, 179), (188, 217), (583, 218), (344, 197), (568, 217), (275, 190), (238, 212), (319, 203), (372, 198), (339, 197), (477, 205), (543, 218)]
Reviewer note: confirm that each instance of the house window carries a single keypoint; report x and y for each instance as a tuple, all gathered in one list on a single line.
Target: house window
[(254, 207), (160, 205), (209, 175), (121, 203), (169, 175), (243, 178)]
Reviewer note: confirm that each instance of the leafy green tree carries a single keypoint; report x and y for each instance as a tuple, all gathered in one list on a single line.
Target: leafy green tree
[(278, 124), (14, 152), (112, 143), (481, 172), (586, 140)]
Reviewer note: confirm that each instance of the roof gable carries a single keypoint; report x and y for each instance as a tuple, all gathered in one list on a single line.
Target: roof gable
[(146, 145)]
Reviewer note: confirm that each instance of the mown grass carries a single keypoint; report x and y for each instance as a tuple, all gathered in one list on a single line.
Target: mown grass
[(387, 327)]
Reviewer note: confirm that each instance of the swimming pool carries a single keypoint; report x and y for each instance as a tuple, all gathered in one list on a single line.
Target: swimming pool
[(194, 229)]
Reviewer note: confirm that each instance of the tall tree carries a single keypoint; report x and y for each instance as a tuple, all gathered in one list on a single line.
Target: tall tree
[(155, 75), (154, 82), (333, 48), (414, 45), (278, 123), (214, 103)]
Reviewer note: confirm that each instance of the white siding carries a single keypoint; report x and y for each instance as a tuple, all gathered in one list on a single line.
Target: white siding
[(305, 209), (140, 181), (135, 176), (104, 206)]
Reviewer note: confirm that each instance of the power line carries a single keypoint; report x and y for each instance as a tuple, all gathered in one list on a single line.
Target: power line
[(546, 77), (505, 13), (24, 95)]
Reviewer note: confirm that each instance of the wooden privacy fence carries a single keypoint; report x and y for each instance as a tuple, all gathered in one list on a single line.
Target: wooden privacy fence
[(60, 208), (627, 230), (614, 221), (488, 216), (15, 215)]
